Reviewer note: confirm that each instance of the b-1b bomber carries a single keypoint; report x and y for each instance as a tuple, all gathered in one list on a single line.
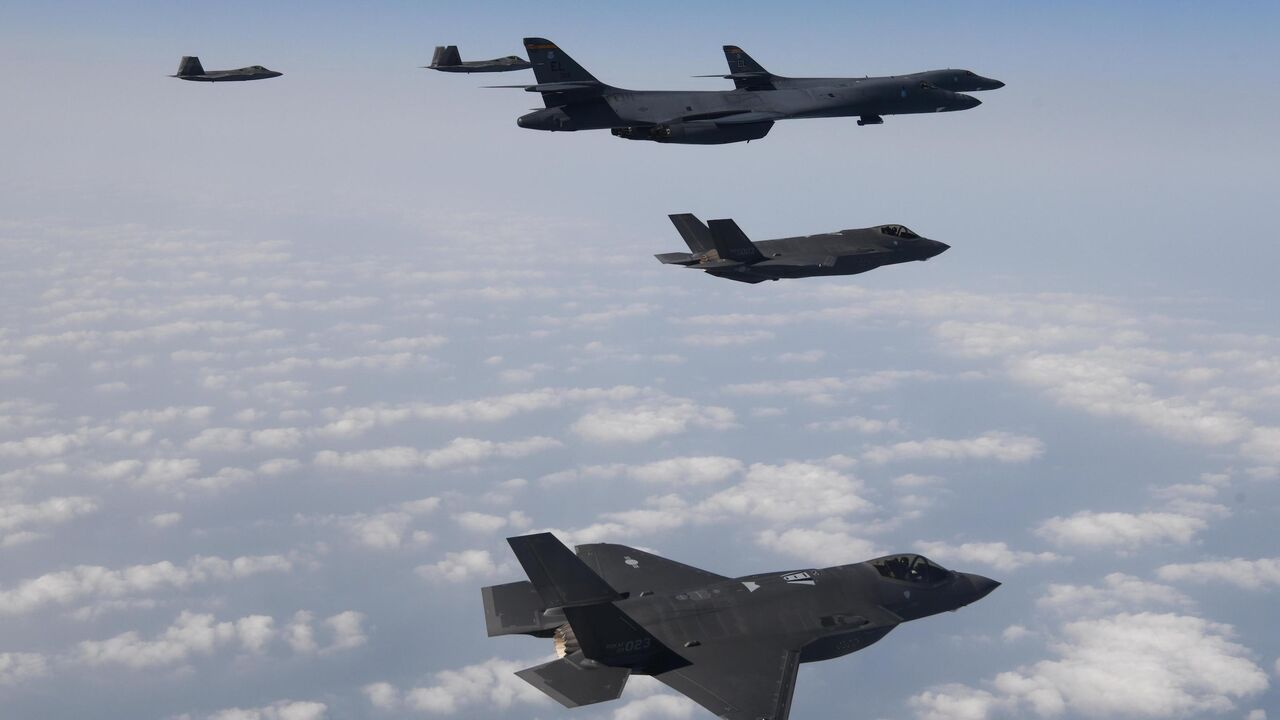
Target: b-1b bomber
[(576, 100), (732, 645), (721, 248)]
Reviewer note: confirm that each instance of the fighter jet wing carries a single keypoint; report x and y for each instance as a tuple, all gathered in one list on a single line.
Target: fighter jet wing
[(628, 570), (738, 680)]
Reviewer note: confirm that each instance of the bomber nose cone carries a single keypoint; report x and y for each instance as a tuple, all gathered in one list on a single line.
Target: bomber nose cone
[(968, 101), (996, 84), (982, 586)]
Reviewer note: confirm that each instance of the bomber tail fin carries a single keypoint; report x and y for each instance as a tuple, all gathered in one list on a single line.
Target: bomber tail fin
[(189, 65), (731, 243), (746, 73), (446, 56), (553, 65), (695, 234)]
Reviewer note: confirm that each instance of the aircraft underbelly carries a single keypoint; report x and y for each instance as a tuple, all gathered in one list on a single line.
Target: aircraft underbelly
[(834, 646)]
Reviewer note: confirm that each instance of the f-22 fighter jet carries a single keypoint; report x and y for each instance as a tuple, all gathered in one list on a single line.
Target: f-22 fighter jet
[(189, 68), (447, 59), (732, 645), (722, 249)]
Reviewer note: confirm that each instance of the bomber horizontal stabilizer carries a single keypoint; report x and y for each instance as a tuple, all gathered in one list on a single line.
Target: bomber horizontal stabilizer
[(740, 76), (556, 86)]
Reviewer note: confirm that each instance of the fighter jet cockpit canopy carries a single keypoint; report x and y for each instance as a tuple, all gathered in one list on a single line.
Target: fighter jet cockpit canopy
[(911, 568), (898, 231)]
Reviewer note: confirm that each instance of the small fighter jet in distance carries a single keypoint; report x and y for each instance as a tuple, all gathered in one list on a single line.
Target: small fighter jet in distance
[(732, 645), (576, 100), (722, 249), (447, 59), (189, 68), (747, 74)]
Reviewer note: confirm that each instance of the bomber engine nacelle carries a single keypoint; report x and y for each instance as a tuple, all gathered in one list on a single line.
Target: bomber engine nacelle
[(552, 118), (697, 132)]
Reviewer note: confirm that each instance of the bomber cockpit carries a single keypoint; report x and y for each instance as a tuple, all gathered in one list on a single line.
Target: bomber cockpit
[(899, 231), (911, 568)]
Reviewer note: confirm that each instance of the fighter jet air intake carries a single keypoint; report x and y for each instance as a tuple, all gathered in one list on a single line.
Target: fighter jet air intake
[(722, 249), (732, 645), (576, 100), (447, 59), (189, 68)]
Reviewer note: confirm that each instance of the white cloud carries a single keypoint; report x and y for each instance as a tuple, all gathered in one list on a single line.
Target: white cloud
[(491, 684), (727, 339), (858, 424), (687, 470), (676, 707), (1123, 531), (992, 554), (647, 422), (94, 581), (1116, 592), (347, 629), (191, 634), (786, 493), (956, 702), (457, 567), (998, 446), (1248, 574), (164, 520), (818, 547), (14, 519), (460, 451), (281, 710), (17, 668), (1145, 665)]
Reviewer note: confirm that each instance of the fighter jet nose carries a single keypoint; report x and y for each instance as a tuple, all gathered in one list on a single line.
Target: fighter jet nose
[(996, 84), (982, 586)]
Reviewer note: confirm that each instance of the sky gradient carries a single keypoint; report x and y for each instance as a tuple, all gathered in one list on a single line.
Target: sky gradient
[(282, 363)]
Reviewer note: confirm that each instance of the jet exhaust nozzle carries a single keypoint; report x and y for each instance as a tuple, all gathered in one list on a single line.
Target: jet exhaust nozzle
[(566, 642)]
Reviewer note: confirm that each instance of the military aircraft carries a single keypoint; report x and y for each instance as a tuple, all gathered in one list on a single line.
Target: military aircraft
[(747, 74), (189, 68), (576, 100), (447, 59), (732, 645), (722, 249)]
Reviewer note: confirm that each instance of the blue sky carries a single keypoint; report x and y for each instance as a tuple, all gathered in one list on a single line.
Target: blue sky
[(282, 363)]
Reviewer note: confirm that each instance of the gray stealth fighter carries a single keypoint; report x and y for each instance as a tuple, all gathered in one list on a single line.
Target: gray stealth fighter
[(722, 249), (447, 59), (189, 68), (732, 645), (576, 100)]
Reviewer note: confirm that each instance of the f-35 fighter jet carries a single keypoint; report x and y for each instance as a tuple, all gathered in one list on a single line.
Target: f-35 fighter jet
[(189, 68), (576, 100), (732, 645), (447, 59), (722, 249), (747, 74)]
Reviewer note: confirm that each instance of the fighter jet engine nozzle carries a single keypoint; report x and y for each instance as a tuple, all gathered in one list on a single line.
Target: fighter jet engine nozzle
[(552, 118), (566, 641), (698, 132)]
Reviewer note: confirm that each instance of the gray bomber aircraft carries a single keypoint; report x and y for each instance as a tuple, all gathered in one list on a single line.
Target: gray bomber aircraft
[(722, 249), (732, 645), (747, 74), (189, 68), (447, 59), (576, 100)]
